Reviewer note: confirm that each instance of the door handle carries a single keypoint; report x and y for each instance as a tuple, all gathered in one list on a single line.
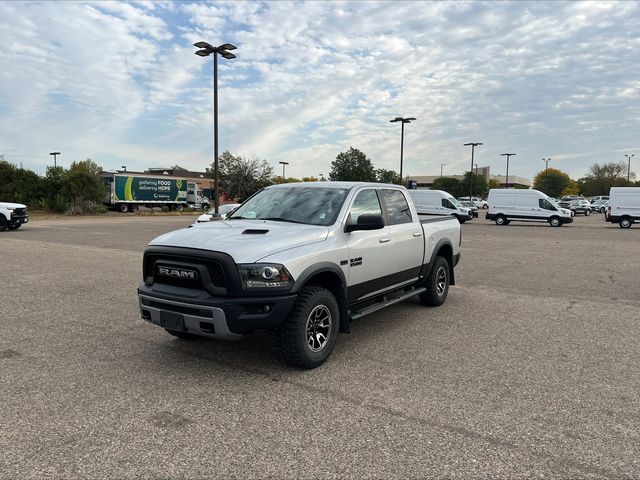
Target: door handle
[(385, 239), (417, 234)]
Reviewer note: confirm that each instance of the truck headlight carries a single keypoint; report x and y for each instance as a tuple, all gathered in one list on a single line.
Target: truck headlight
[(264, 275)]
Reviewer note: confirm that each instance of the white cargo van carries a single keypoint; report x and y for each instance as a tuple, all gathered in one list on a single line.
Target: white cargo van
[(439, 202), (624, 206), (525, 205)]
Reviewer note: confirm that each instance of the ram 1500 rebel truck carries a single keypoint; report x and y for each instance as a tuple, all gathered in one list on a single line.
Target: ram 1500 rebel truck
[(12, 216), (302, 259)]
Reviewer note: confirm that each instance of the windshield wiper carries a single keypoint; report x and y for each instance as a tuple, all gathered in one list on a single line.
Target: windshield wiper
[(278, 219)]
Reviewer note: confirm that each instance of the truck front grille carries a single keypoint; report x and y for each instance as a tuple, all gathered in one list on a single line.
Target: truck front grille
[(209, 273)]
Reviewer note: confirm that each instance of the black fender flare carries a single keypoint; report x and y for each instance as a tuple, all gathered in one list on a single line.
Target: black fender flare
[(426, 267), (339, 290)]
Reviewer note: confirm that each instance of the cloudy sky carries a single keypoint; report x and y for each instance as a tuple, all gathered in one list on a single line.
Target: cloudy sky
[(119, 83)]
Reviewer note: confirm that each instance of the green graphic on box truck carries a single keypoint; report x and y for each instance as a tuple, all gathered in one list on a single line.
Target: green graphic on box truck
[(145, 189)]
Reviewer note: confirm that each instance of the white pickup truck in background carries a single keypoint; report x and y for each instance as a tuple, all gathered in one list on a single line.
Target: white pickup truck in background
[(12, 216), (303, 259)]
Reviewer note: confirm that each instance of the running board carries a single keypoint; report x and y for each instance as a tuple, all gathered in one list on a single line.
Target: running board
[(386, 303)]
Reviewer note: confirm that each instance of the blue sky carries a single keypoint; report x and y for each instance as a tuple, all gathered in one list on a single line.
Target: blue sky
[(119, 82)]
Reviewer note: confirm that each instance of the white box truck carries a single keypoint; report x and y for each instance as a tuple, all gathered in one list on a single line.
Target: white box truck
[(506, 205), (624, 206)]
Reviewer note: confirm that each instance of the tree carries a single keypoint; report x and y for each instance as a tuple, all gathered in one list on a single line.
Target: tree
[(552, 182), (242, 176), (309, 179), (83, 185), (448, 184), (601, 178), (178, 169), (479, 185), (387, 176), (353, 166), (492, 183), (19, 185)]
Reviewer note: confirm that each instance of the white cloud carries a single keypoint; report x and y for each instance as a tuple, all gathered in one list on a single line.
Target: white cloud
[(555, 79)]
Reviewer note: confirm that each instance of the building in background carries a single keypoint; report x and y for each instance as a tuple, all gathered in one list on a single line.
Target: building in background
[(425, 181)]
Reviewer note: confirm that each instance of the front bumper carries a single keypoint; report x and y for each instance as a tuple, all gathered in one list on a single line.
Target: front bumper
[(19, 218), (215, 317)]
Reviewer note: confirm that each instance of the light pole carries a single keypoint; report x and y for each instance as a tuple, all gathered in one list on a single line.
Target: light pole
[(546, 164), (403, 121), (207, 49), (629, 165), (441, 165), (475, 179), (506, 179), (473, 147), (55, 158), (283, 164)]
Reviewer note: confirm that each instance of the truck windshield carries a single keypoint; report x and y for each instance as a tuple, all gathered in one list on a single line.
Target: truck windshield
[(308, 205)]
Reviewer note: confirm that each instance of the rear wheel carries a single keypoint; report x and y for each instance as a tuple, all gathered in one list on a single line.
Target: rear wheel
[(501, 220), (587, 212), (625, 222), (555, 222), (485, 206), (436, 283), (123, 208), (309, 334)]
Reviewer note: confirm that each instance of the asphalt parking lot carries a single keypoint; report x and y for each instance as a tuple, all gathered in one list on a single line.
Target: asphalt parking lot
[(530, 369)]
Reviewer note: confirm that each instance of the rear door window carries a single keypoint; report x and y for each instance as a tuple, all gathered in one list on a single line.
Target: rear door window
[(396, 206)]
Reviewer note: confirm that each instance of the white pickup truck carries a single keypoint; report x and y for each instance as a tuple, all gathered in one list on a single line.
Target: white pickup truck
[(12, 216), (302, 259)]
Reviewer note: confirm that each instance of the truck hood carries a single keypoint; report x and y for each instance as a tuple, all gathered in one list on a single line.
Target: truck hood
[(247, 241), (12, 205)]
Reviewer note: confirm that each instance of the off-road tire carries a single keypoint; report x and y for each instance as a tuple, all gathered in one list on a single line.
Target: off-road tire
[(625, 222), (294, 345), (501, 220), (182, 335), (436, 283)]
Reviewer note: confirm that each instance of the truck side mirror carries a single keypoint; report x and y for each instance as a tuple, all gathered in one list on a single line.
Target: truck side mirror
[(366, 222)]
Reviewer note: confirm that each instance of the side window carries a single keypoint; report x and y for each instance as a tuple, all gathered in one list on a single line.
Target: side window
[(397, 207), (546, 204), (366, 203), (447, 204)]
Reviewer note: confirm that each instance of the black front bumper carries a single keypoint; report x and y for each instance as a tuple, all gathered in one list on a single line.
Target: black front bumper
[(18, 217), (219, 317)]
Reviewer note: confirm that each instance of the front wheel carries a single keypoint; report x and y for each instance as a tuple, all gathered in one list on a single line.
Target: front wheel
[(14, 226), (309, 334), (555, 222), (485, 206), (436, 283), (587, 213)]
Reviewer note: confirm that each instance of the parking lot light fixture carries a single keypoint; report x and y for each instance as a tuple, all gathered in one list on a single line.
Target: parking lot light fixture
[(546, 164), (402, 121), (473, 147), (629, 165), (506, 178), (283, 165), (207, 49), (55, 158)]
